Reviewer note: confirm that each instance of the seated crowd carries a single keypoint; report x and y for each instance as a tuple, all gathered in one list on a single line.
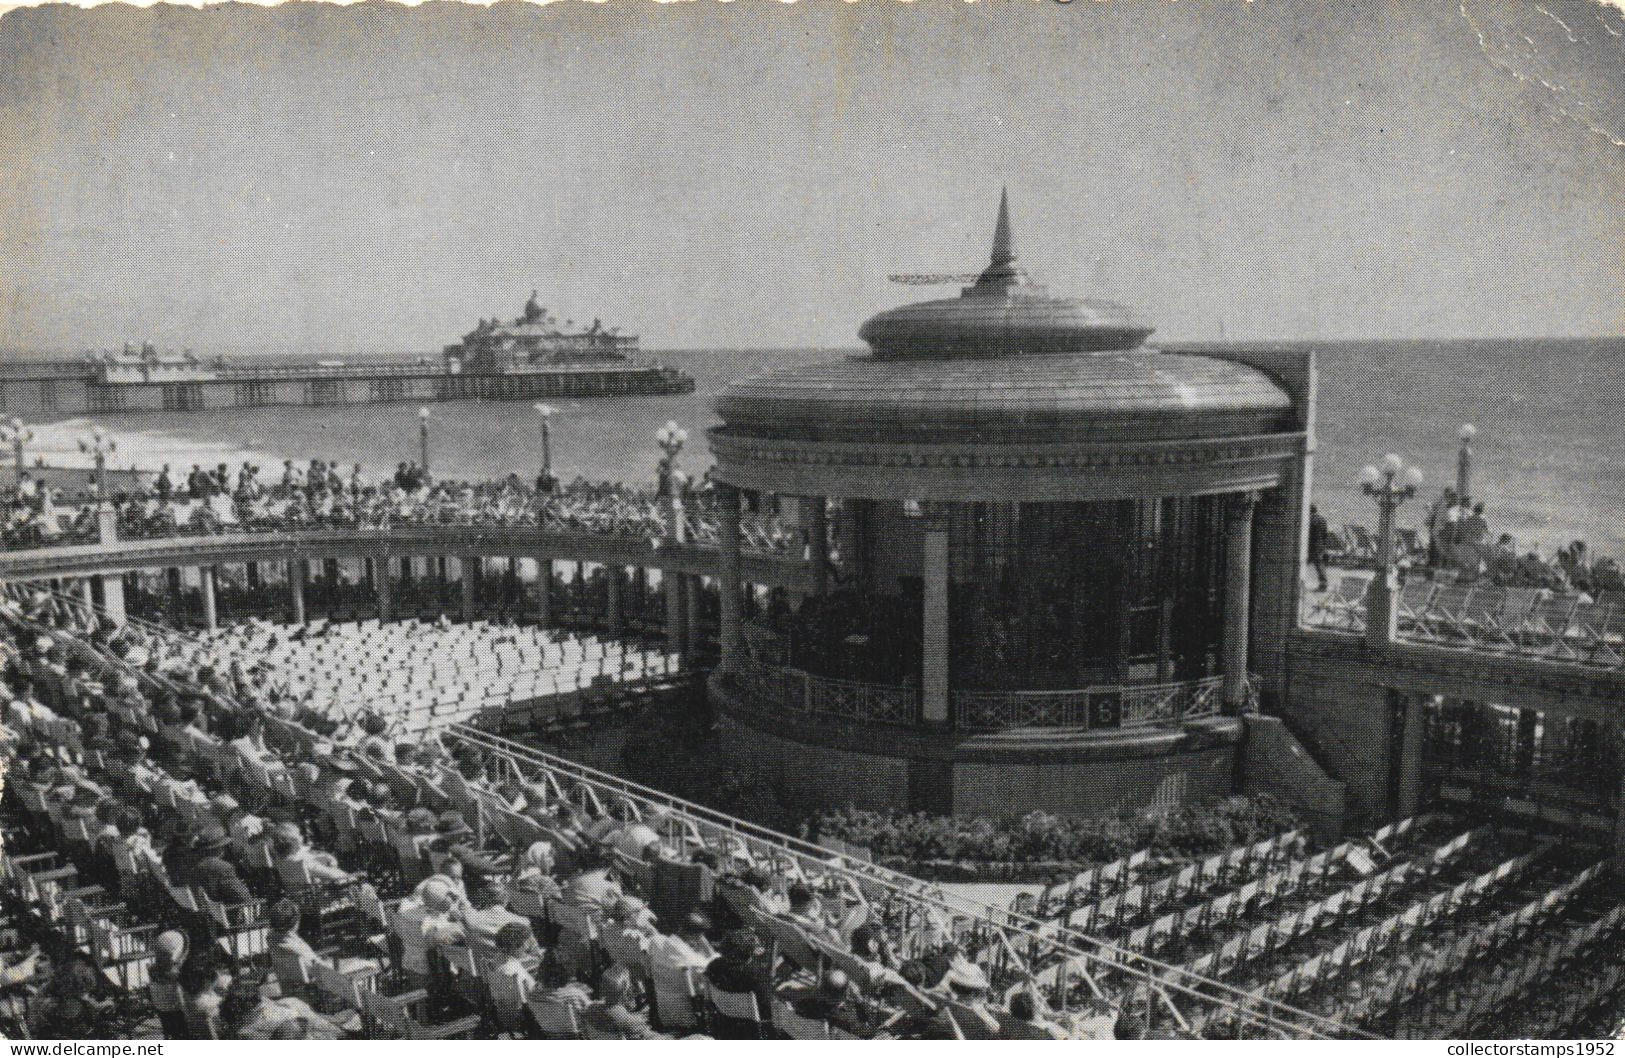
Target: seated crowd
[(323, 495), (1457, 541), (290, 875)]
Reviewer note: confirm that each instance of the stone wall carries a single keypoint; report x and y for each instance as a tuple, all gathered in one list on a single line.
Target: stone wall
[(827, 763), (1340, 710), (818, 776), (1275, 762)]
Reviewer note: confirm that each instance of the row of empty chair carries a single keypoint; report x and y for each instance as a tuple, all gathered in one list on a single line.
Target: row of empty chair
[(1422, 928), (420, 674), (1488, 617)]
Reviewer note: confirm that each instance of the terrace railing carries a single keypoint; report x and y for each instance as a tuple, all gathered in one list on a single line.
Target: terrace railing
[(1484, 618)]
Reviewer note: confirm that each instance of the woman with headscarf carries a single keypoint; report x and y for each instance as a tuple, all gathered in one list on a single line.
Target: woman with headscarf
[(536, 872), (425, 920)]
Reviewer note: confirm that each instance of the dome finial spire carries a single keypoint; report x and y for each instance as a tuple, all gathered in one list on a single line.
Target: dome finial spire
[(1004, 249)]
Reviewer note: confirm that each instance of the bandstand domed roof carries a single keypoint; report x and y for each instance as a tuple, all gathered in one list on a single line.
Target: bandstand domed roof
[(1008, 361)]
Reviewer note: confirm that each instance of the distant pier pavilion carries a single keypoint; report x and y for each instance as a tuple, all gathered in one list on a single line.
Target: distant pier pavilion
[(1055, 565)]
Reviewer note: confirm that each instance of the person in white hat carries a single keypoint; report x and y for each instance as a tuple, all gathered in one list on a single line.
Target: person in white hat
[(169, 949)]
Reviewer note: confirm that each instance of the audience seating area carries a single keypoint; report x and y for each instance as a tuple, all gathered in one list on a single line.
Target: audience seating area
[(225, 867), (228, 870)]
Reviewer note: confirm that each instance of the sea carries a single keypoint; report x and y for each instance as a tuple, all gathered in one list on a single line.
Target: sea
[(1548, 459)]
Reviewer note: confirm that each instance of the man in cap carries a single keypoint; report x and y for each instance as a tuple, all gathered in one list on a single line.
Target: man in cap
[(212, 872), (740, 968), (462, 846)]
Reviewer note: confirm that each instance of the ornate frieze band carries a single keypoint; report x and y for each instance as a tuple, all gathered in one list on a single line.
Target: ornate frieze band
[(943, 471)]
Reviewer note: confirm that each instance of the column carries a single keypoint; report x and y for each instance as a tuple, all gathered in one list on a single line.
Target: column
[(112, 584), (694, 594), (211, 618), (87, 589), (1618, 860), (296, 588), (1408, 796), (1381, 599), (612, 602), (934, 568), (380, 583), (1238, 579), (674, 582), (471, 586), (544, 591), (675, 586), (252, 575), (728, 575), (817, 522), (113, 598)]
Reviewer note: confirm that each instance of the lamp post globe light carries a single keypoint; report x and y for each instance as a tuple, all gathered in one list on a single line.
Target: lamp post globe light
[(671, 438), (18, 435), (1390, 483), (99, 445)]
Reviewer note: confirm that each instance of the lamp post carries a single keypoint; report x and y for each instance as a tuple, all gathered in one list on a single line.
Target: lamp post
[(19, 435), (546, 412), (423, 439), (1464, 461), (99, 446), (671, 438), (1390, 483)]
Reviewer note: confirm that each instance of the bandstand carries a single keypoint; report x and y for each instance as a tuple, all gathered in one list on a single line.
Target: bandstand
[(1034, 542)]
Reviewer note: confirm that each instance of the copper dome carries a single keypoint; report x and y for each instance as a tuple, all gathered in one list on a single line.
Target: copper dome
[(1008, 362)]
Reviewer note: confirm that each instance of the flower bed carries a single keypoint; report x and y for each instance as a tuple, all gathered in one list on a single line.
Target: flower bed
[(981, 846)]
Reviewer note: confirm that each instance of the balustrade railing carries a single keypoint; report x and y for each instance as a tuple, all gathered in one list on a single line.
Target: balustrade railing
[(797, 691), (1099, 708)]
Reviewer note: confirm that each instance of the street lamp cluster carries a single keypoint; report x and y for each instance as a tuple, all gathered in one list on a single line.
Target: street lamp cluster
[(18, 435), (1391, 482), (671, 438), (99, 445)]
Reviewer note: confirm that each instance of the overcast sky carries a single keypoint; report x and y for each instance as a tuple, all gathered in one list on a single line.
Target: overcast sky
[(376, 178)]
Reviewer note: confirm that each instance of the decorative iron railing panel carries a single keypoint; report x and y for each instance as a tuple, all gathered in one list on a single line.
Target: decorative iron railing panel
[(1099, 708), (793, 690)]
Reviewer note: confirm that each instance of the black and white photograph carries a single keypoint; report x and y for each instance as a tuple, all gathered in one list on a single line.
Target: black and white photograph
[(832, 520)]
